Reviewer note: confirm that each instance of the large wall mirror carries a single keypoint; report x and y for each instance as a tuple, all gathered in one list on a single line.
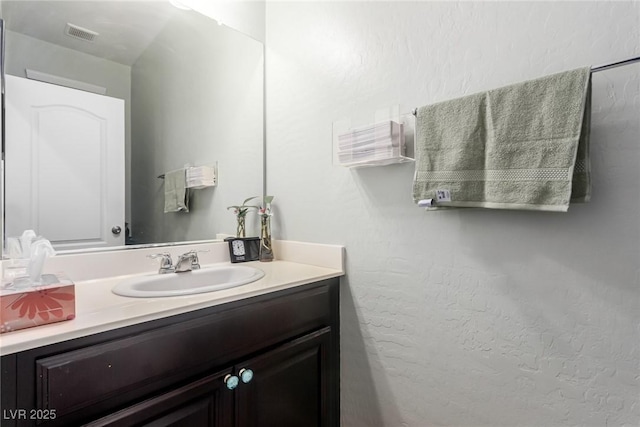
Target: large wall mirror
[(175, 89)]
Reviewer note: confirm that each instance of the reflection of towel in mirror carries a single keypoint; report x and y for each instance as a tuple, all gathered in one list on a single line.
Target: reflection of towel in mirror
[(176, 195)]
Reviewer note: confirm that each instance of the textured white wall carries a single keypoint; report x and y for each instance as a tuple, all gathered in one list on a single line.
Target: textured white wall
[(465, 318)]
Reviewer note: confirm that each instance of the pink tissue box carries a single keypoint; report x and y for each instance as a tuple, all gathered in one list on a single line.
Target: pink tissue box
[(51, 302)]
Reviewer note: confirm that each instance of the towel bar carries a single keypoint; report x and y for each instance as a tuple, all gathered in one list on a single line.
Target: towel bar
[(593, 70), (615, 64), (198, 176)]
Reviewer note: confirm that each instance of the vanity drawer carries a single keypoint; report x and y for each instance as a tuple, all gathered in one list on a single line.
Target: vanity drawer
[(98, 377)]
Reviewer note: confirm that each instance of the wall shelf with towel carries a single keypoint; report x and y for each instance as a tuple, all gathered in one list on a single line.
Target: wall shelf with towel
[(379, 144), (198, 177)]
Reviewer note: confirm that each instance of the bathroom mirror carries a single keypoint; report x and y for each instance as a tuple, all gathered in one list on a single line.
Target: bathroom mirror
[(191, 93)]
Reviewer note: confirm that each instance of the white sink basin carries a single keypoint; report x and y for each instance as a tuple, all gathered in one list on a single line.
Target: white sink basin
[(207, 279)]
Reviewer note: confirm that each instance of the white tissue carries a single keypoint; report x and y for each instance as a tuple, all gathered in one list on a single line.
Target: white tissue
[(40, 250), (14, 249), (16, 266), (25, 240), (28, 254)]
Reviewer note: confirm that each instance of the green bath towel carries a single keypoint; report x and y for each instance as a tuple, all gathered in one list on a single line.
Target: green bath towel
[(176, 195), (524, 146)]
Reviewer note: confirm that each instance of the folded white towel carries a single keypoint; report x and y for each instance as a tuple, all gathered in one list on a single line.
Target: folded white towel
[(201, 177)]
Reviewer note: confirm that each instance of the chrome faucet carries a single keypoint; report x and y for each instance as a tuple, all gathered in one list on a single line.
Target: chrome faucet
[(166, 264), (187, 262)]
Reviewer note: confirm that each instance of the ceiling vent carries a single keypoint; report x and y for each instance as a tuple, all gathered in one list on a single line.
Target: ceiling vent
[(80, 33)]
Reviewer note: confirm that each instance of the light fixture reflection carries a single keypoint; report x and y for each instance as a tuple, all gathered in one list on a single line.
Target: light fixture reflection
[(179, 5)]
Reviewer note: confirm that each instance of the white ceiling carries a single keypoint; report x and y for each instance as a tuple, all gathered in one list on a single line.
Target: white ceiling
[(125, 28)]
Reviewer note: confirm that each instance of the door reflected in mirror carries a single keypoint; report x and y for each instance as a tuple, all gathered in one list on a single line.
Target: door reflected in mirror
[(190, 93)]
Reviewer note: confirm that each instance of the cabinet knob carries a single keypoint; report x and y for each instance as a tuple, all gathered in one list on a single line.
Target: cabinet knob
[(231, 381), (246, 375)]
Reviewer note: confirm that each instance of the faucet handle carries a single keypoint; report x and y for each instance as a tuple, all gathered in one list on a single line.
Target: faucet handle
[(193, 254), (166, 263)]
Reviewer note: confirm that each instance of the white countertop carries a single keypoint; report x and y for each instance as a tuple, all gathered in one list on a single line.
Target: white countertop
[(98, 309)]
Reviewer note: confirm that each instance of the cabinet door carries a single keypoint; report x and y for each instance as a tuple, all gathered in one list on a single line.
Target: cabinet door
[(290, 385), (203, 403)]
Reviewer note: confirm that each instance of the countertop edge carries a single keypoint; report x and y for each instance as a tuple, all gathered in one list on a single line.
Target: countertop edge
[(40, 341)]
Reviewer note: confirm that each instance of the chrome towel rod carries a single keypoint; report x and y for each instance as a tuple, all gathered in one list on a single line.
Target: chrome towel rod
[(615, 64), (593, 70)]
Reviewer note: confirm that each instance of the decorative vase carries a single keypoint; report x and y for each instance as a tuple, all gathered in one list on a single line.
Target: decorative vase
[(266, 250), (240, 229)]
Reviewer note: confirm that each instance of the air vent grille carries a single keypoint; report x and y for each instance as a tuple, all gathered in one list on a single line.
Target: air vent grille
[(80, 33)]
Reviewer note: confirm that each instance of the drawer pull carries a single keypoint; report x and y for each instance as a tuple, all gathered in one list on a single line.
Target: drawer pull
[(246, 375), (231, 381)]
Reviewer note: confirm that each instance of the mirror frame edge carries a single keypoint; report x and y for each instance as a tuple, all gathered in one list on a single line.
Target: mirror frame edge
[(2, 136)]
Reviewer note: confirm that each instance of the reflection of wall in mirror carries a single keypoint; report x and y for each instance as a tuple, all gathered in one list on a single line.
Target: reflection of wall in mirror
[(202, 106), (247, 17)]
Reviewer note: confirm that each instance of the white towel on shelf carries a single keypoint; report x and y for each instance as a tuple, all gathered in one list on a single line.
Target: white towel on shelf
[(200, 177)]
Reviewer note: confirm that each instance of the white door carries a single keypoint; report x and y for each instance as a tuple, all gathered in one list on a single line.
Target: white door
[(64, 164)]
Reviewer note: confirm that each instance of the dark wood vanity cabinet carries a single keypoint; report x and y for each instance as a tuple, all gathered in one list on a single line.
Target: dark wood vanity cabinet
[(280, 351)]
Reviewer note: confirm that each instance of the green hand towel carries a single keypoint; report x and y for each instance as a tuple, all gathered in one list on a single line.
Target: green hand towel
[(176, 195), (524, 146)]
